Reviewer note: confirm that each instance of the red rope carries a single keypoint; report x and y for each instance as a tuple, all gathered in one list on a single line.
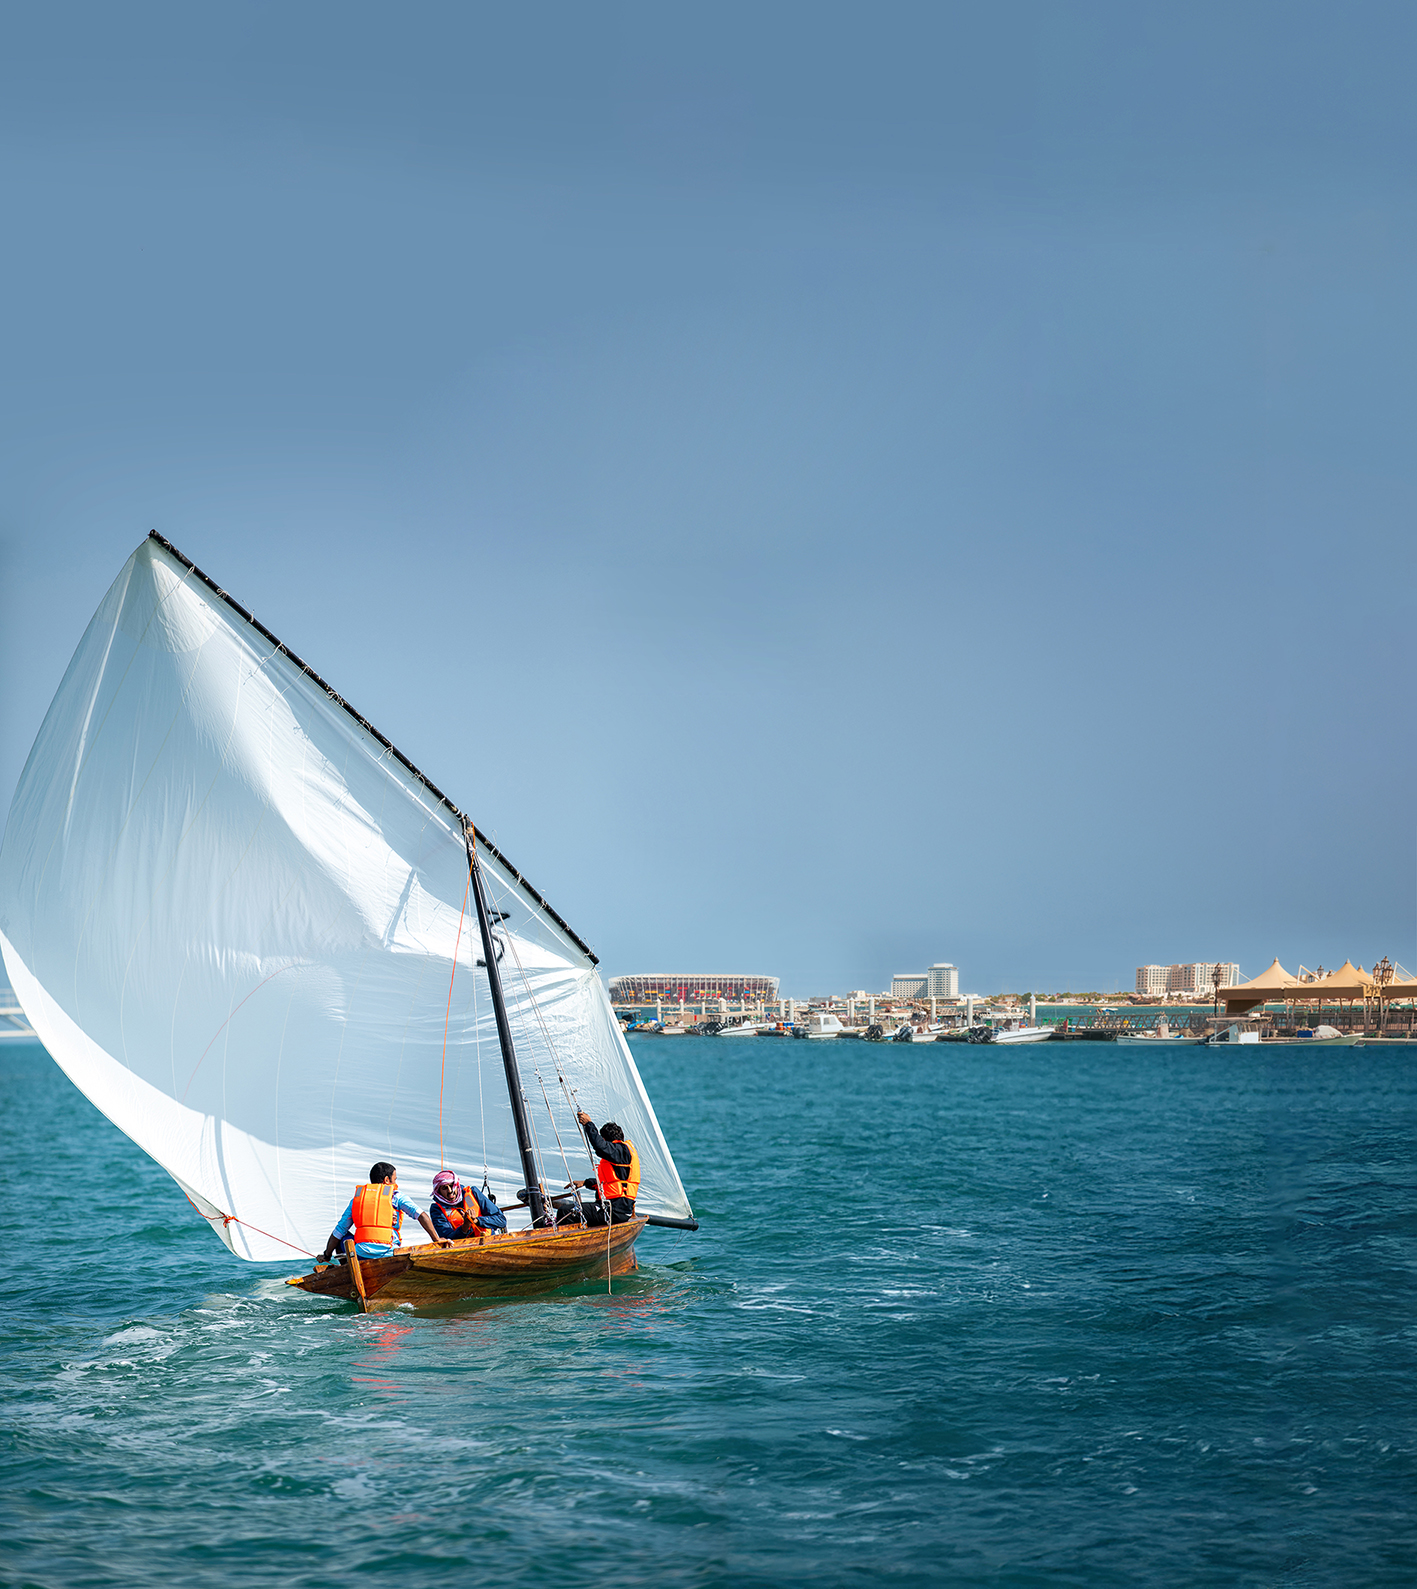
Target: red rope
[(231, 1219), (443, 1067)]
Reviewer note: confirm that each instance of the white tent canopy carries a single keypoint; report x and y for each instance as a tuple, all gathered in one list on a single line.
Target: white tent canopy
[(233, 912)]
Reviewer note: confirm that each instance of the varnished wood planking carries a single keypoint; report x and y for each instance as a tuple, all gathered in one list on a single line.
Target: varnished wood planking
[(519, 1264)]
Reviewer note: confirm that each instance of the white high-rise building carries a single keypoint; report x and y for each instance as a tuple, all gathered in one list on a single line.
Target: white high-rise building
[(942, 982), (1196, 977), (1192, 978), (909, 985)]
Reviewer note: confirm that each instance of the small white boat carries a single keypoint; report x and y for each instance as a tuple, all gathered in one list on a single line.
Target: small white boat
[(1153, 1040), (1321, 1037), (1160, 1033), (1232, 1034), (819, 1025), (1020, 1034), (742, 1029)]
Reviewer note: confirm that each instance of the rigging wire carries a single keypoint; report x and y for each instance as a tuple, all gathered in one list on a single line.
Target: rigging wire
[(538, 1157), (443, 1066), (565, 1163), (566, 1090), (477, 1046)]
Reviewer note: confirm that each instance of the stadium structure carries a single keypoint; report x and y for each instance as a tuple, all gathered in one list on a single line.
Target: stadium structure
[(691, 987)]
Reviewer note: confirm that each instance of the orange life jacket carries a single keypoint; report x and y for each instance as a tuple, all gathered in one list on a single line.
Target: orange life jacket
[(609, 1175), (458, 1215), (375, 1217)]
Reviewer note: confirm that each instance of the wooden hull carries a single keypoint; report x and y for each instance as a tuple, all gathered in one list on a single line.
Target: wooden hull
[(519, 1264)]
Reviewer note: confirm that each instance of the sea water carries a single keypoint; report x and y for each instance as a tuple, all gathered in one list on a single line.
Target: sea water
[(1070, 1314)]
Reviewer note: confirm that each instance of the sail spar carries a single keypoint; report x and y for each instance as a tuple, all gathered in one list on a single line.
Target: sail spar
[(232, 911)]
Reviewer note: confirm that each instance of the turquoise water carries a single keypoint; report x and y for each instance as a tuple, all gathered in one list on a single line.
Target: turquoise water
[(1106, 1317)]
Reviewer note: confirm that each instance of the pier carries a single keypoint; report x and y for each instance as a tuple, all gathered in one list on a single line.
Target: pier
[(14, 1023)]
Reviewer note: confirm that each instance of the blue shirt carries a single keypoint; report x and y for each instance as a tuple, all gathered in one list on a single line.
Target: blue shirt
[(375, 1249)]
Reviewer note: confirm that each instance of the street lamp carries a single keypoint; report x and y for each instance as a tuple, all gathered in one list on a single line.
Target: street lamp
[(1382, 974), (1217, 976)]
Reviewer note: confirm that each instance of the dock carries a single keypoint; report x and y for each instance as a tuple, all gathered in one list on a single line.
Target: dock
[(14, 1023)]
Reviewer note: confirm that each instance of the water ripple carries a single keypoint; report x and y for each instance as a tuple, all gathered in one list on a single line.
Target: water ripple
[(1122, 1321)]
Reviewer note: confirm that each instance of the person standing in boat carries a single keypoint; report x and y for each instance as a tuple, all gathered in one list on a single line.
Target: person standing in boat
[(374, 1217), (617, 1175), (459, 1211)]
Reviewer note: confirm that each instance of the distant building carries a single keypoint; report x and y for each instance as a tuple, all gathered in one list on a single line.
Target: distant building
[(1197, 978), (910, 985), (692, 986), (1191, 979), (942, 982)]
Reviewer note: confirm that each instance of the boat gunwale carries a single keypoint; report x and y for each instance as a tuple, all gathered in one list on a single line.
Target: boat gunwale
[(588, 1238), (483, 1255)]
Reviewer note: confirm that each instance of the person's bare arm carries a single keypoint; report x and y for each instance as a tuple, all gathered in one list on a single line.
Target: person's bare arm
[(427, 1224)]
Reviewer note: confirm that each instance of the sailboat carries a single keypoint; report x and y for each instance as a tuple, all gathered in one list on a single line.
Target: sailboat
[(270, 950)]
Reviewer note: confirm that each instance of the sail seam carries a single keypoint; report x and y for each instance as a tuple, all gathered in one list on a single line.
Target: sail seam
[(369, 729)]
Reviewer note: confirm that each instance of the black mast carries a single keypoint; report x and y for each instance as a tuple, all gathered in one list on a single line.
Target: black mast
[(504, 1033)]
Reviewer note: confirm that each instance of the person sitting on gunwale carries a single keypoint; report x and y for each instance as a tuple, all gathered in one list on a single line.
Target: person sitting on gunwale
[(374, 1217), (617, 1177), (459, 1211)]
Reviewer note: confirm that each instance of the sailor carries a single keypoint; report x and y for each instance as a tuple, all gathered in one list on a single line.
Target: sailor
[(374, 1217), (460, 1211), (617, 1176)]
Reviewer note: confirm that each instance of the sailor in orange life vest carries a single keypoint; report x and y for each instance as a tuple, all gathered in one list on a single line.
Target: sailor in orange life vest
[(617, 1177), (462, 1211), (374, 1217)]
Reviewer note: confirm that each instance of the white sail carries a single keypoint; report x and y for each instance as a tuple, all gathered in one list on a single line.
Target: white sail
[(232, 914)]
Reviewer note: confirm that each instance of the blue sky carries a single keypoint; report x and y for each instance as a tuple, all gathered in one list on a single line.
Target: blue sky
[(831, 488)]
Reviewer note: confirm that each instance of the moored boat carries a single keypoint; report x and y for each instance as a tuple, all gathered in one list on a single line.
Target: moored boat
[(1020, 1034), (906, 1033), (1153, 1040), (1320, 1037), (1160, 1033)]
